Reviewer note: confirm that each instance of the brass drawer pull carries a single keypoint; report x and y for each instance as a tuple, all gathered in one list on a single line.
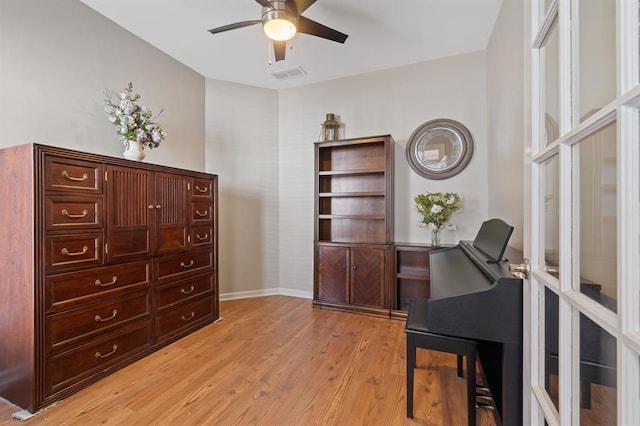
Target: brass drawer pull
[(101, 284), (201, 189), (189, 318), (206, 213), (184, 265), (99, 355), (205, 238), (99, 319), (75, 179), (74, 216), (183, 291), (80, 253)]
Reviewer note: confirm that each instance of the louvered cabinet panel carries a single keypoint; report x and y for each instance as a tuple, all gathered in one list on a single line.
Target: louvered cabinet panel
[(130, 214), (171, 212)]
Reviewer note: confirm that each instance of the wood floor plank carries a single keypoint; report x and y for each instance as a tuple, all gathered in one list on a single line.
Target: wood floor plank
[(273, 361)]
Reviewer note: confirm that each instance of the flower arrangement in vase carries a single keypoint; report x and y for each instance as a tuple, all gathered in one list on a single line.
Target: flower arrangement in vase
[(136, 125), (436, 209)]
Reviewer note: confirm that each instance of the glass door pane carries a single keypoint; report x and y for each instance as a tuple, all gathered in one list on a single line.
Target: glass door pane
[(596, 56), (598, 395), (551, 215), (595, 180), (551, 335)]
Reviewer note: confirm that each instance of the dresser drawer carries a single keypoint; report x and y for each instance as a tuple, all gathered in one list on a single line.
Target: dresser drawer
[(201, 236), (184, 317), (65, 328), (183, 291), (63, 174), (73, 251), (202, 189), (65, 213), (73, 289), (84, 361), (172, 267), (201, 213)]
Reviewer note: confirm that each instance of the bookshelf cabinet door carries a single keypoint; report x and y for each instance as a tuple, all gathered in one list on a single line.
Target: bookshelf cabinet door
[(333, 272), (368, 276)]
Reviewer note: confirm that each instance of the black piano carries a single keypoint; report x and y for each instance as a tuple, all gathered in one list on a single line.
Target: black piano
[(475, 296)]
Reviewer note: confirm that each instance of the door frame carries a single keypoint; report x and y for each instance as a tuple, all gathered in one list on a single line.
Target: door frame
[(624, 324)]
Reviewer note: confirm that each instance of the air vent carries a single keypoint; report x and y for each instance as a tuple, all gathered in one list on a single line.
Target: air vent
[(289, 73)]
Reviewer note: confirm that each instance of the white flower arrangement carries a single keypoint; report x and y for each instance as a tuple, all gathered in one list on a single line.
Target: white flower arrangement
[(437, 207), (134, 122)]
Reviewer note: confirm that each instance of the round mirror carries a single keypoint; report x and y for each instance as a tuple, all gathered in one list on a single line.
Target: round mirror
[(439, 149)]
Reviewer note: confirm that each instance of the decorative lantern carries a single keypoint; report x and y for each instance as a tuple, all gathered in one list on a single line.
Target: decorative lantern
[(331, 128)]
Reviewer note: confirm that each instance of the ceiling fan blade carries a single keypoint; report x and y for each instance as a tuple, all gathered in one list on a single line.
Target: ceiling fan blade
[(234, 26), (307, 26), (279, 49), (264, 3), (302, 5)]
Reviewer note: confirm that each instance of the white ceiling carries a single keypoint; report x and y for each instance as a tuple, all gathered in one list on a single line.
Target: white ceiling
[(382, 34)]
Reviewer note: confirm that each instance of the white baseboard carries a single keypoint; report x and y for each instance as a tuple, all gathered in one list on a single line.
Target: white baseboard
[(296, 293), (267, 292)]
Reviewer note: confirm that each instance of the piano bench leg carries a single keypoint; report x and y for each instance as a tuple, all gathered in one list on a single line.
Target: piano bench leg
[(411, 365)]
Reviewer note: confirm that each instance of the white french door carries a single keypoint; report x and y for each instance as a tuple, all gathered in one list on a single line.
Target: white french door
[(583, 196)]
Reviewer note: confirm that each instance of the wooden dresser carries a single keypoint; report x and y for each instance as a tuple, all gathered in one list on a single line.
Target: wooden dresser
[(102, 261)]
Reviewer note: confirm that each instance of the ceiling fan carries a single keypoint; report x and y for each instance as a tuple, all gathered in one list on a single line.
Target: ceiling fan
[(281, 20)]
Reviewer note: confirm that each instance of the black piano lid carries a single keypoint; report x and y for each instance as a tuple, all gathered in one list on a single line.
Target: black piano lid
[(463, 269), (452, 274)]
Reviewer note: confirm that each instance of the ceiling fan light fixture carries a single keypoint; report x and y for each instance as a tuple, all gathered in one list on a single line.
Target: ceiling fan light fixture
[(279, 25)]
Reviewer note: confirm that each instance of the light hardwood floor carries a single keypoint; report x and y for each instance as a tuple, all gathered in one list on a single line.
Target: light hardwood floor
[(273, 361)]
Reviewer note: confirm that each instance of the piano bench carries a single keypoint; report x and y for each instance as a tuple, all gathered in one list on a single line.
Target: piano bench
[(418, 336)]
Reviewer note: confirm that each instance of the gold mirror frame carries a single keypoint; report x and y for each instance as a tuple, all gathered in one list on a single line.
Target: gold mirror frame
[(439, 149)]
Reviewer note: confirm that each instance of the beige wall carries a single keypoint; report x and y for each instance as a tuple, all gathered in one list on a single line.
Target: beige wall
[(505, 115), (394, 101), (261, 144), (56, 58), (242, 147)]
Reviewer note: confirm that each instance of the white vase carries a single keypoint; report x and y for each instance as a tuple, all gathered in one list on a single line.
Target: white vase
[(133, 150)]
